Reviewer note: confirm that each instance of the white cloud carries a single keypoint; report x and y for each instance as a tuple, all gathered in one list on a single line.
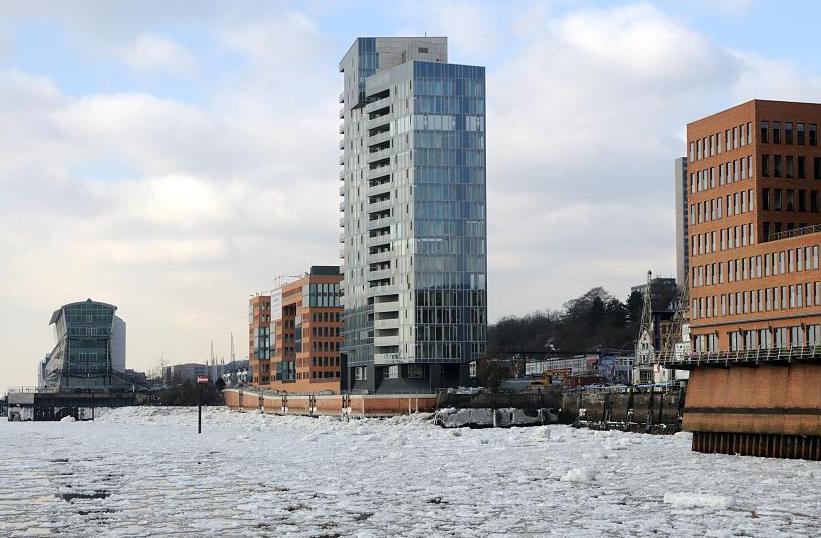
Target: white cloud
[(155, 53)]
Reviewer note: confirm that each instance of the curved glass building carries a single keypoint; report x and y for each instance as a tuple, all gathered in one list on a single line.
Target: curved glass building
[(89, 349)]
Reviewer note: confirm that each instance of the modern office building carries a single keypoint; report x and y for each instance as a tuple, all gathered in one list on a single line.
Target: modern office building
[(295, 334), (682, 185), (413, 224), (754, 174), (89, 351)]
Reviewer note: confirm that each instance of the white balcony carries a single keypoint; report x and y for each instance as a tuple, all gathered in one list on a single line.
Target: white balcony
[(379, 155), (381, 223), (392, 323), (376, 105), (382, 188), (392, 306), (378, 121), (380, 257), (379, 138), (381, 274), (379, 240), (378, 172), (380, 206)]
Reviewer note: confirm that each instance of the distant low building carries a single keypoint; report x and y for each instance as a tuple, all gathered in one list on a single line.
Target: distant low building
[(180, 373)]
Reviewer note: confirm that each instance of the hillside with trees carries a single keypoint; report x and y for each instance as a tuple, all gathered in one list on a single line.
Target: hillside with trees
[(594, 321)]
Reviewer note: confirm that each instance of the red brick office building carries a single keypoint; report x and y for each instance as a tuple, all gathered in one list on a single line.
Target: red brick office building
[(295, 334), (755, 178), (754, 281)]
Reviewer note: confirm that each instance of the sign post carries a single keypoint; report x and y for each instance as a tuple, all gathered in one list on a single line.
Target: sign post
[(201, 380)]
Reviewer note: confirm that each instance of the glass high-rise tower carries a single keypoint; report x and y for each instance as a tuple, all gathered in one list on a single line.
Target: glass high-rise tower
[(413, 225)]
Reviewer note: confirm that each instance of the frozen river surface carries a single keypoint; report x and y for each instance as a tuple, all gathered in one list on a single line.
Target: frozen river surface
[(145, 472)]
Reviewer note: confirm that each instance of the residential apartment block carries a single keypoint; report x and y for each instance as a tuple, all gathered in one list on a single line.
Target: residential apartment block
[(413, 214), (295, 334), (754, 181)]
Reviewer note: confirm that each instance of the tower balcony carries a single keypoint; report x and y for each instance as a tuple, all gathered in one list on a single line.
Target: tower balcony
[(380, 256), (379, 155), (380, 188), (384, 222), (379, 138), (384, 239), (380, 206)]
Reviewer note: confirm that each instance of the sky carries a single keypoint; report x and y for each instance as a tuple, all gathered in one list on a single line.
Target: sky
[(172, 157)]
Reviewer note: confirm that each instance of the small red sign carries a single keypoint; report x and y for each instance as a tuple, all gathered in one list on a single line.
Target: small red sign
[(202, 379)]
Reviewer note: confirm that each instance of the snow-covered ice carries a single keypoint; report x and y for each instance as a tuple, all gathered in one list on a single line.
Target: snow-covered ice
[(145, 472)]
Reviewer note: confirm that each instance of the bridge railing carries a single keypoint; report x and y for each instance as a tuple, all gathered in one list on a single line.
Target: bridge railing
[(779, 354)]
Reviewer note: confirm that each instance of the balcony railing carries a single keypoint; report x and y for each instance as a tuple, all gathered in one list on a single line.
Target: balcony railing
[(780, 354), (797, 232)]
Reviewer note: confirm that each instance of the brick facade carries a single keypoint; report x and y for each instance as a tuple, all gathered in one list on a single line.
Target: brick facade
[(754, 183)]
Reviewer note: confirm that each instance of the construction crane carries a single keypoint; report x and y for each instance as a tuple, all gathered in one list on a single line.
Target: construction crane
[(645, 353), (680, 318)]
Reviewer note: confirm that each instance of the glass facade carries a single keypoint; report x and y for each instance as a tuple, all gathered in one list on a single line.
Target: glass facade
[(449, 212), (82, 357), (414, 209)]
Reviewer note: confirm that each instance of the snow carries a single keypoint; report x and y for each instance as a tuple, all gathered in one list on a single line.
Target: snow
[(694, 500), (144, 471)]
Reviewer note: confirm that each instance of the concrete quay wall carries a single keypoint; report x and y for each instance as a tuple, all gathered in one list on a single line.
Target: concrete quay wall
[(368, 405), (764, 410)]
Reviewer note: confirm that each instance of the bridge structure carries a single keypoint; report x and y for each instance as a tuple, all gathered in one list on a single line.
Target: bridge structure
[(758, 402)]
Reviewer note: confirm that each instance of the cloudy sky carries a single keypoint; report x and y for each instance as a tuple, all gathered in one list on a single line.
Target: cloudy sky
[(171, 157)]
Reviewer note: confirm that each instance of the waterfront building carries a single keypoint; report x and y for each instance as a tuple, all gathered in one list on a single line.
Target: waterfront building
[(754, 219), (755, 284), (295, 334), (682, 217), (259, 338), (89, 353), (413, 224)]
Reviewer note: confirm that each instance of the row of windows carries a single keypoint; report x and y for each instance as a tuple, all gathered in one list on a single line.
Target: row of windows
[(88, 331), (774, 264), (785, 200), (324, 331), (325, 317), (724, 174), (323, 346), (709, 210), (781, 337), (788, 166), (802, 133), (729, 238), (734, 138), (761, 300), (324, 361)]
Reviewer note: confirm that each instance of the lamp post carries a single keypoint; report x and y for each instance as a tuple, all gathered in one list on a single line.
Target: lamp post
[(201, 380)]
